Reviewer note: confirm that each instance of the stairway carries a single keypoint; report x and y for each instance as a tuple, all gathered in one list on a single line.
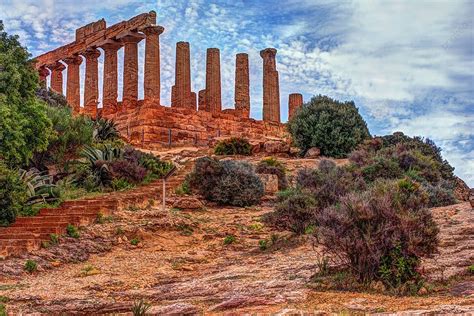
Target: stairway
[(28, 233)]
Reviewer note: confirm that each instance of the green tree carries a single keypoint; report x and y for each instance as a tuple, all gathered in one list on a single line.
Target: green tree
[(336, 128), (13, 195), (24, 125)]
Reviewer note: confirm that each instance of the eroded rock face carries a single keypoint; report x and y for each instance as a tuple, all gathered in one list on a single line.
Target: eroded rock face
[(471, 197), (462, 190)]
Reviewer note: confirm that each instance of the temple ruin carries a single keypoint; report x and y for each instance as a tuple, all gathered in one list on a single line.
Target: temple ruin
[(192, 118)]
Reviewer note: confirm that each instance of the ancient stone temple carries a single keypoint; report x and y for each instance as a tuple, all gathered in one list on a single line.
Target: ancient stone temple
[(190, 118)]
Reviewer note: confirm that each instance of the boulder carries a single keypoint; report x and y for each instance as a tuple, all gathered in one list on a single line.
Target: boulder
[(188, 203), (270, 182), (294, 151), (257, 145), (276, 147), (313, 152)]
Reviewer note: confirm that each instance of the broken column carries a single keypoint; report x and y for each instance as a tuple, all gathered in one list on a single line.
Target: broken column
[(73, 96), (57, 77), (109, 84), (43, 75), (271, 86), (295, 101), (213, 81), (130, 68), (181, 91), (91, 85), (152, 63), (242, 85)]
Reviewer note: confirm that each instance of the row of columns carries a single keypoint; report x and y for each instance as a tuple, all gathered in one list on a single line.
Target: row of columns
[(210, 98)]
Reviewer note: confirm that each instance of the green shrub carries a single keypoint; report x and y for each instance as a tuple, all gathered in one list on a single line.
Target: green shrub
[(134, 241), (336, 128), (54, 239), (156, 166), (13, 195), (140, 308), (72, 231), (229, 239), (295, 212), (3, 310), (263, 244), (71, 134), (273, 166), (233, 146), (31, 266), (227, 183), (121, 184), (470, 269)]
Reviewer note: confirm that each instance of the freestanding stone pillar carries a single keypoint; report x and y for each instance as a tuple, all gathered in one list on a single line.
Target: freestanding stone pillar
[(57, 77), (271, 86), (91, 85), (43, 75), (109, 84), (181, 91), (152, 63), (213, 81), (295, 101), (73, 96), (242, 85), (130, 69)]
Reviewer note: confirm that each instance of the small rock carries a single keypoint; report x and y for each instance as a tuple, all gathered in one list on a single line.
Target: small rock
[(55, 263), (312, 153), (378, 286), (188, 203), (423, 291), (276, 147), (294, 151), (270, 182)]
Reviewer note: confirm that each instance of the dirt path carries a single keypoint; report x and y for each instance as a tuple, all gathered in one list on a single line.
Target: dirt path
[(182, 266)]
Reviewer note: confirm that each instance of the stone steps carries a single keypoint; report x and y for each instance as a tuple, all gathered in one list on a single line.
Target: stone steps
[(27, 233)]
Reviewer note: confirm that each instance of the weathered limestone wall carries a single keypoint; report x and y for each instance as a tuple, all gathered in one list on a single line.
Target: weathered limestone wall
[(213, 81), (154, 127)]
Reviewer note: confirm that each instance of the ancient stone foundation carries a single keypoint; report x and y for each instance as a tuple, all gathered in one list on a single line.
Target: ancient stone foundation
[(192, 119)]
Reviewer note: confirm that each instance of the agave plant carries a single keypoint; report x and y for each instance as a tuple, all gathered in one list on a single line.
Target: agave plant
[(105, 129), (95, 168), (40, 188)]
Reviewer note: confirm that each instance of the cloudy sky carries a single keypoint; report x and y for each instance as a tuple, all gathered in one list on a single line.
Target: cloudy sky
[(408, 65)]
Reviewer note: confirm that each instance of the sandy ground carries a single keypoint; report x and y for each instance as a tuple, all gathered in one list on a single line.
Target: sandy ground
[(182, 266)]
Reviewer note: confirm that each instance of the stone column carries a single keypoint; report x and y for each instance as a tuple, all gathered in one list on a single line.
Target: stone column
[(43, 75), (130, 69), (152, 63), (213, 80), (109, 84), (271, 86), (242, 85), (73, 96), (57, 77), (91, 85), (182, 95), (295, 101)]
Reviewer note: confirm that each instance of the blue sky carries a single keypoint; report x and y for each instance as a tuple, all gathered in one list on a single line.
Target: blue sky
[(408, 65)]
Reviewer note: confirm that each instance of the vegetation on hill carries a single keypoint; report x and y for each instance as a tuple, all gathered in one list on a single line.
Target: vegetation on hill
[(47, 154), (233, 146), (336, 128), (380, 201)]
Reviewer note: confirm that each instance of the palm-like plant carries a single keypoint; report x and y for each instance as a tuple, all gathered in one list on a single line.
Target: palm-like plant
[(40, 188), (96, 164), (105, 129)]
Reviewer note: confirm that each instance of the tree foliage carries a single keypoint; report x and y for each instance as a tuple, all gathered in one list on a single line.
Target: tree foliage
[(336, 128), (24, 125)]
